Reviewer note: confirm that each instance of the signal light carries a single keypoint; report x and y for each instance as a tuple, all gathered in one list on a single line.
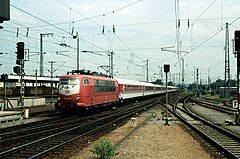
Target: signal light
[(20, 50), (16, 69), (18, 62), (166, 68), (4, 77), (237, 40)]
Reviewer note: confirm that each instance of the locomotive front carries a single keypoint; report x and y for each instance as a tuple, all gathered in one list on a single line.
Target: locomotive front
[(68, 93)]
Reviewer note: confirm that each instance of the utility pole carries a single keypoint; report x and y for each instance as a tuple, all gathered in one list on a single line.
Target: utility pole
[(197, 82), (178, 36), (78, 48), (36, 81), (182, 72), (52, 71), (51, 62), (209, 80), (147, 71), (112, 64), (161, 73), (227, 64), (4, 77), (41, 51)]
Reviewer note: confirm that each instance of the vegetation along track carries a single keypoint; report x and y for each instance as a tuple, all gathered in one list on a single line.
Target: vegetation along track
[(225, 141), (49, 142)]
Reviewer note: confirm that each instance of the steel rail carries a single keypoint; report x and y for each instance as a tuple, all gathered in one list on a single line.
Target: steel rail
[(208, 104), (207, 129), (61, 138)]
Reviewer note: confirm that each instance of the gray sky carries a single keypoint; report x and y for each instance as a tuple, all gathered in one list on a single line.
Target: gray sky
[(142, 28)]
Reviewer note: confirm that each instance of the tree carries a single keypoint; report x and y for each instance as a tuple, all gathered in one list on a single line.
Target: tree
[(158, 81), (170, 83)]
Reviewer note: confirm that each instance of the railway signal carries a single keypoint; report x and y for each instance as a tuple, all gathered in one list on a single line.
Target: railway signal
[(237, 41), (166, 70), (20, 58), (16, 69), (20, 69), (20, 50)]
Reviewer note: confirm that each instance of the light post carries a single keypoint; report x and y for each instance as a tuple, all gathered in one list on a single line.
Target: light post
[(77, 37), (41, 51), (166, 70), (36, 82), (4, 77), (52, 71)]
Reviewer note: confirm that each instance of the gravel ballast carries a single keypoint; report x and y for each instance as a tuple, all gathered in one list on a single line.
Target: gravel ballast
[(150, 140)]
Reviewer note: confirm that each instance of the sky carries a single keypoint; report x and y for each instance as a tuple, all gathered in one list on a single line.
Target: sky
[(142, 28)]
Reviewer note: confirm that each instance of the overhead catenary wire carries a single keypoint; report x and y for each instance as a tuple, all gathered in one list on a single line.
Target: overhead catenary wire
[(95, 40), (195, 20), (112, 12), (54, 26)]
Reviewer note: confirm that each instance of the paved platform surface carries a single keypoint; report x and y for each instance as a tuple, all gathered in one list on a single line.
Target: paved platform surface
[(9, 113)]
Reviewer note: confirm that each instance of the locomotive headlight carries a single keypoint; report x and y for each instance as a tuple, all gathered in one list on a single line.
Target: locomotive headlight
[(58, 98), (77, 98)]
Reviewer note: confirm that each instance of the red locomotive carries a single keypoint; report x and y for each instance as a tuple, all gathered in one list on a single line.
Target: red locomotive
[(82, 90)]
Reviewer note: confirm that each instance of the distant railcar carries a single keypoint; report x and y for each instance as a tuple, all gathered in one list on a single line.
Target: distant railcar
[(129, 89)]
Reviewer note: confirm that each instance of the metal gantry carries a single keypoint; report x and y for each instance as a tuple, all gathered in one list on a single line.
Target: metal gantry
[(108, 68), (227, 65)]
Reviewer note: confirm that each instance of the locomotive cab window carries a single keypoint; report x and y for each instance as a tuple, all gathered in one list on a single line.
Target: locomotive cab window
[(70, 81), (85, 81)]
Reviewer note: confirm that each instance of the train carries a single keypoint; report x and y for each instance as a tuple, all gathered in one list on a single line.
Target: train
[(79, 91)]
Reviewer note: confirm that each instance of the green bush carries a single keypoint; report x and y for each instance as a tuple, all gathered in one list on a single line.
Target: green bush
[(104, 149), (213, 93), (204, 92)]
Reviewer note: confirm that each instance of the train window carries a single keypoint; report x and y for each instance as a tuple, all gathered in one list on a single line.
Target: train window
[(85, 81), (124, 88), (64, 81), (104, 86), (149, 88)]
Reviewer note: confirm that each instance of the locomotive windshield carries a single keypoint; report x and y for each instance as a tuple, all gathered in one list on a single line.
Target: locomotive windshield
[(68, 86), (69, 81)]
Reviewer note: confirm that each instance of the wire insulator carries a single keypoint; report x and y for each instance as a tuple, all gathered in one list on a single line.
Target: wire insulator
[(188, 23), (103, 23), (103, 29), (27, 32), (17, 32), (113, 29)]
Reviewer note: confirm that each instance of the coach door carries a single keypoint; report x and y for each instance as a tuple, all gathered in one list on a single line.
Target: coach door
[(87, 91)]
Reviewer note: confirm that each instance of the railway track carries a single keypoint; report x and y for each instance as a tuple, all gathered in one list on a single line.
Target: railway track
[(212, 105), (224, 140), (11, 137), (48, 142)]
